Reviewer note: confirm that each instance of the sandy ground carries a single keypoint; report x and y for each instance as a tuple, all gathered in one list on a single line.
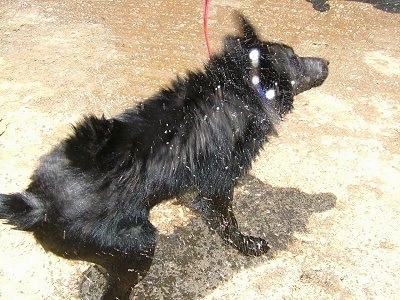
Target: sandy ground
[(324, 193)]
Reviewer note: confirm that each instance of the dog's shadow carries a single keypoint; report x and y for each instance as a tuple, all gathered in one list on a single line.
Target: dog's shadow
[(192, 261), (385, 5)]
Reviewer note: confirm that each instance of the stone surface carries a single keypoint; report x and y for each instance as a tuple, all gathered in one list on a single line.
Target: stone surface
[(324, 193)]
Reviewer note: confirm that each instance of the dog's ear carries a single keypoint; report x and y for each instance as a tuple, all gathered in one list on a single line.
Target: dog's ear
[(247, 39), (248, 32)]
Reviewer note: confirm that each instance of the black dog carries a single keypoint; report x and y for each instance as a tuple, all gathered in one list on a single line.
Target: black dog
[(91, 195)]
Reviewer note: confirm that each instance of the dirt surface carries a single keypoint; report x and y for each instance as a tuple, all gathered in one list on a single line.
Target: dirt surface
[(324, 193)]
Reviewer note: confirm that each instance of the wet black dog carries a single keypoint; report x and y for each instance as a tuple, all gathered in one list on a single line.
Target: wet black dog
[(91, 195)]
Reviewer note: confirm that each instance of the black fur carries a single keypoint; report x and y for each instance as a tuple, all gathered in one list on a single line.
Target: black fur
[(91, 195)]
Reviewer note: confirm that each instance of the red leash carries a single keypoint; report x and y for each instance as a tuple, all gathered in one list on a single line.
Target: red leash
[(205, 25)]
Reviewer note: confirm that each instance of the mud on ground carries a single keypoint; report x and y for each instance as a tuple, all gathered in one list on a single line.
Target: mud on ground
[(325, 192)]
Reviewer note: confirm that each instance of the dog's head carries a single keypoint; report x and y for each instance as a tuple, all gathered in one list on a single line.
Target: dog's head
[(273, 69)]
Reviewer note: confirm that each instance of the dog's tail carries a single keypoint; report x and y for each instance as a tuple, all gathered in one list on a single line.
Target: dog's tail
[(21, 210)]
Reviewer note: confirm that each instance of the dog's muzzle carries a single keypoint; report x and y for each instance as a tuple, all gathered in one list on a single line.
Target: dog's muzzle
[(311, 72)]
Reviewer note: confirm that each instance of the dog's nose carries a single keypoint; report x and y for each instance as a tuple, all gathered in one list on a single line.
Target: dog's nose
[(325, 65)]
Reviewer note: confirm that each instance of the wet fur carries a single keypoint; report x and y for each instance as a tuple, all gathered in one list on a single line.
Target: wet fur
[(91, 195)]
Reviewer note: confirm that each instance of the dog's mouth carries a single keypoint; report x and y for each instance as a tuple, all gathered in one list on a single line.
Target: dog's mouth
[(309, 72)]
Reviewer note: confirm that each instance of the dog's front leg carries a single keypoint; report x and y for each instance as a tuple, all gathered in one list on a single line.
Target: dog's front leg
[(218, 213)]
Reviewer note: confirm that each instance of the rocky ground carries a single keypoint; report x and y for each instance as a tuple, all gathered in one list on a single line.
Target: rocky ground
[(324, 193)]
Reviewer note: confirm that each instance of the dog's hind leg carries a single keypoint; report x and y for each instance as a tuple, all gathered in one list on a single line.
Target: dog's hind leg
[(124, 273), (126, 259), (218, 213)]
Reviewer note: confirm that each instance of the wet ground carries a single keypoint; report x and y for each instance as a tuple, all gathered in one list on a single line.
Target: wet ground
[(324, 193)]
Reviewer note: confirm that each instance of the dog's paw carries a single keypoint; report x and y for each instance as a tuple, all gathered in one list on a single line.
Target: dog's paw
[(94, 283), (254, 246)]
